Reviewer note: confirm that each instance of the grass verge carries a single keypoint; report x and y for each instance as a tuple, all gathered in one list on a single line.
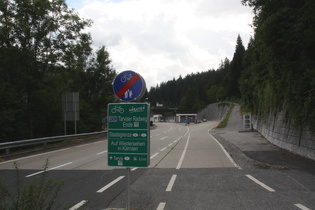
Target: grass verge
[(225, 120)]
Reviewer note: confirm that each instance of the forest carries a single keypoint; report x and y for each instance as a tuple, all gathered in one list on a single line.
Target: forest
[(276, 71), (45, 52)]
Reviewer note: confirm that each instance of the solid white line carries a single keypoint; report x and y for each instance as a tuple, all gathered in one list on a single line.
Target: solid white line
[(161, 206), (48, 169), (260, 183), (163, 149), (154, 155), (78, 205), (171, 183), (183, 154), (102, 152), (110, 184), (301, 206), (225, 152)]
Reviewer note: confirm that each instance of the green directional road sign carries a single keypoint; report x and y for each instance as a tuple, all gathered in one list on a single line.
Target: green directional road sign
[(128, 134)]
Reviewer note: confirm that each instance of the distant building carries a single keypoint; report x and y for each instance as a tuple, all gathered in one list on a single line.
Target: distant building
[(182, 117), (167, 114), (157, 118)]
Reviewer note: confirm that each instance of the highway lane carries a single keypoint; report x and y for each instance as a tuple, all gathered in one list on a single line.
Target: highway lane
[(68, 164), (189, 170), (91, 156), (197, 173)]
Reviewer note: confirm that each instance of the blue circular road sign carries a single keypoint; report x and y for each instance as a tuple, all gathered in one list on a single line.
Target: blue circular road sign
[(129, 86)]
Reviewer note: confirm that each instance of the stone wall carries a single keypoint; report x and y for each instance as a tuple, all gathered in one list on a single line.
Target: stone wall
[(277, 131)]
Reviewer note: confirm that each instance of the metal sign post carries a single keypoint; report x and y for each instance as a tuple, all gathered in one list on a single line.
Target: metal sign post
[(129, 125)]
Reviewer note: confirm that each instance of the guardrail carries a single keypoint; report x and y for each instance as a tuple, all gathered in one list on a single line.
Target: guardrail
[(14, 144)]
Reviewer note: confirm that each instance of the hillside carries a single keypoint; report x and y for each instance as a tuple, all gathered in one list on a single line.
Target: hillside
[(276, 72)]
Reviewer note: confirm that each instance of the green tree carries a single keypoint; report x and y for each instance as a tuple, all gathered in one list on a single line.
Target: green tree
[(96, 90), (283, 62), (37, 39), (235, 70)]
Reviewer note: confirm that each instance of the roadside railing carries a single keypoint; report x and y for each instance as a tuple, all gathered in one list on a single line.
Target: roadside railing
[(14, 144)]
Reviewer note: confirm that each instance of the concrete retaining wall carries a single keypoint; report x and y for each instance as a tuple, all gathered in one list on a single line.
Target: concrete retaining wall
[(277, 131), (213, 112)]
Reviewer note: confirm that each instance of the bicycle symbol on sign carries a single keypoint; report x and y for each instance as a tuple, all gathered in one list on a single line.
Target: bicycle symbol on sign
[(126, 77), (117, 109)]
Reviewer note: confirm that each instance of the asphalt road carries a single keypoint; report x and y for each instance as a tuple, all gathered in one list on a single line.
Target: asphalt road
[(190, 169)]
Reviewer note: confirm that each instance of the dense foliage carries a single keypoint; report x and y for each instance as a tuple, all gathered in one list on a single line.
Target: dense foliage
[(195, 91), (44, 53), (275, 73), (280, 62)]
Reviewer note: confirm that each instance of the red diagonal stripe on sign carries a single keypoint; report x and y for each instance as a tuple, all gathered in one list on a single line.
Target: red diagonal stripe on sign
[(132, 81)]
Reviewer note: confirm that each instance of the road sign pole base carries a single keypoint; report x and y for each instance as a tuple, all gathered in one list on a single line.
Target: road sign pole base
[(128, 188)]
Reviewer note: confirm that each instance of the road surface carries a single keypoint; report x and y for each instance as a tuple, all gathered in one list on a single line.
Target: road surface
[(190, 169)]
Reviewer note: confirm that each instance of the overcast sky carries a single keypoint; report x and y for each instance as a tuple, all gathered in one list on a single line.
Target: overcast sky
[(163, 39)]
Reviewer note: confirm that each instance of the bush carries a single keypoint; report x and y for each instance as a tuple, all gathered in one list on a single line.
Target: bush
[(39, 194)]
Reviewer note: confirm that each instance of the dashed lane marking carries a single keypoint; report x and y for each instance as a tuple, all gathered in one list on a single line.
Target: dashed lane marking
[(60, 166), (154, 155), (161, 206), (300, 206), (110, 184), (171, 183), (260, 183), (102, 152), (78, 205), (165, 137), (163, 149)]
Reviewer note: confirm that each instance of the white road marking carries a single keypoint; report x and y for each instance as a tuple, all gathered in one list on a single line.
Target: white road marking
[(225, 152), (110, 184), (23, 158), (171, 183), (300, 206), (83, 145), (161, 206), (170, 144), (163, 149), (260, 183), (49, 169), (183, 154), (154, 155), (78, 205), (102, 152), (133, 169), (165, 137), (99, 142)]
